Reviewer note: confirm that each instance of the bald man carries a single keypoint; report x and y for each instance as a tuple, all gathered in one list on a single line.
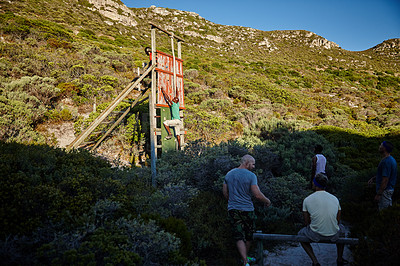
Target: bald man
[(239, 185)]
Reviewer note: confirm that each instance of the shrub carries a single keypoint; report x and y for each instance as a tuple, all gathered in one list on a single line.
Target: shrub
[(381, 243), (25, 103), (191, 73)]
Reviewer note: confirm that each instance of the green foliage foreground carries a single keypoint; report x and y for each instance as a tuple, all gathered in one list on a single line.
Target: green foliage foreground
[(73, 208)]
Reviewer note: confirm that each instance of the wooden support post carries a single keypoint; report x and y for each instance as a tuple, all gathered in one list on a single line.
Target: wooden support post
[(174, 65), (152, 109), (260, 251), (180, 57), (179, 49)]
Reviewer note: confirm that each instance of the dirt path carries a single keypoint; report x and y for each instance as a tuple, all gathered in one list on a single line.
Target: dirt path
[(286, 255)]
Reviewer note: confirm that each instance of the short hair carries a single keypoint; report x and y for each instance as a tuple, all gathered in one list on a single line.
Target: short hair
[(388, 146), (318, 148), (245, 159), (147, 50), (321, 179)]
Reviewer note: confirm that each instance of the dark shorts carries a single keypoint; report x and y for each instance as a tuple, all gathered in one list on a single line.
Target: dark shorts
[(243, 224), (315, 237)]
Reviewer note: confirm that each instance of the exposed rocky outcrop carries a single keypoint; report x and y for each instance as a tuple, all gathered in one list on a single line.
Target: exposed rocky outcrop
[(118, 13), (389, 48), (323, 43), (388, 44)]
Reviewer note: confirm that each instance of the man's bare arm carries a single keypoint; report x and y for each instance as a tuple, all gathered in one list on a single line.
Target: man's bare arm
[(225, 191), (169, 101), (255, 190), (313, 167), (338, 216), (385, 181), (307, 218)]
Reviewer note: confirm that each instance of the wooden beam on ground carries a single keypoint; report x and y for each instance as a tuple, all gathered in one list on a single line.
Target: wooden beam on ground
[(297, 238), (259, 237)]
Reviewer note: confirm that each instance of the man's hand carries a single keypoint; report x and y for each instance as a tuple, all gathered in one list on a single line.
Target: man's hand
[(267, 203), (167, 99), (371, 180)]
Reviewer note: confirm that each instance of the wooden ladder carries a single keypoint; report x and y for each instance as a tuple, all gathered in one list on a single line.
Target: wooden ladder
[(108, 111)]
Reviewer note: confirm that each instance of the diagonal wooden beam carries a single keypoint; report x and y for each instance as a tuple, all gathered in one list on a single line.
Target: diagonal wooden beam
[(75, 144), (119, 120)]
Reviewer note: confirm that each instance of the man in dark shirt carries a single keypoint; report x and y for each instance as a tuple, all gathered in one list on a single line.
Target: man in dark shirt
[(386, 176)]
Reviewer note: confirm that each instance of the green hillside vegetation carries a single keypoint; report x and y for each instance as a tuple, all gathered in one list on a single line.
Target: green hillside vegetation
[(236, 82), (273, 94), (78, 209)]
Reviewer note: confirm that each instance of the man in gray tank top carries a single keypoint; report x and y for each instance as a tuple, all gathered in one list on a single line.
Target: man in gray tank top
[(239, 185)]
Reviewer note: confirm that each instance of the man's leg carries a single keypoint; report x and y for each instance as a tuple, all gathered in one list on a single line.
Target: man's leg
[(340, 249), (242, 248), (168, 130), (310, 252), (178, 138), (248, 245)]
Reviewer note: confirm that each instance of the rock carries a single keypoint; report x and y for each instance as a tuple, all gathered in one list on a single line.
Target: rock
[(114, 11), (161, 11), (323, 43), (215, 38)]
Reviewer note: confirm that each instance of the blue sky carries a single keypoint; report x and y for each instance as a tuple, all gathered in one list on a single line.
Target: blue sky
[(354, 25)]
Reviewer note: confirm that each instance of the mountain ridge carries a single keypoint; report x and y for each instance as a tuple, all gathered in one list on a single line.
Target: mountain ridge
[(101, 4)]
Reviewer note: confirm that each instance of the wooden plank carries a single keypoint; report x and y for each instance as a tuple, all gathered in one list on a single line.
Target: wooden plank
[(297, 238), (167, 32)]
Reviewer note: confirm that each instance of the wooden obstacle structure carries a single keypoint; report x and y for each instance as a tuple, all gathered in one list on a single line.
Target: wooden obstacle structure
[(165, 71), (259, 237)]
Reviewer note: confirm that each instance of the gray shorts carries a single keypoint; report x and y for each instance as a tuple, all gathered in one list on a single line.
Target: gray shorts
[(315, 237), (386, 199)]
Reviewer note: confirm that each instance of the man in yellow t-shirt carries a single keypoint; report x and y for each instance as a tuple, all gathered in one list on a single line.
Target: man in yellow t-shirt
[(321, 212)]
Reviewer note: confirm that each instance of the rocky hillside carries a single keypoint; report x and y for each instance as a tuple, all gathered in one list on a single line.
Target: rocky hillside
[(60, 58)]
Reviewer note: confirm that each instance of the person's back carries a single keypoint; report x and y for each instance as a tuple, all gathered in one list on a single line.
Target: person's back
[(175, 111), (323, 208), (320, 164), (239, 186), (239, 183)]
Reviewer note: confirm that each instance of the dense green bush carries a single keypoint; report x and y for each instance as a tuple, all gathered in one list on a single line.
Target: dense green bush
[(24, 104), (381, 243)]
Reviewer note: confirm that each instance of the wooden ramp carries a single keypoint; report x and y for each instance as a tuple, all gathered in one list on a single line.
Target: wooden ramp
[(80, 140)]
